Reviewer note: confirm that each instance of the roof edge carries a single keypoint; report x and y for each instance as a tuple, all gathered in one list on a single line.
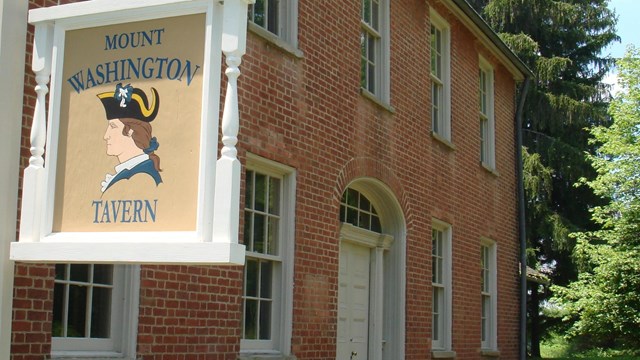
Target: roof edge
[(462, 6)]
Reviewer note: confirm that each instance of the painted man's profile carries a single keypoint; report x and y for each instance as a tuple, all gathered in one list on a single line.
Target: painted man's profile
[(128, 135)]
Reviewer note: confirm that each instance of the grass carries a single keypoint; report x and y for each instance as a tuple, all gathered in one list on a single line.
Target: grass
[(557, 347)]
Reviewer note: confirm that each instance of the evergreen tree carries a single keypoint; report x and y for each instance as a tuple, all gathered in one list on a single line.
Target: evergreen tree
[(561, 41), (603, 305)]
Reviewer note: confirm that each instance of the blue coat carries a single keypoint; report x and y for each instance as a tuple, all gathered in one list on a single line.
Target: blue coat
[(145, 167)]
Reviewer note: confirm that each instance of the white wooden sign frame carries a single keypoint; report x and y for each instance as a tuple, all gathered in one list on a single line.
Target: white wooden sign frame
[(215, 239)]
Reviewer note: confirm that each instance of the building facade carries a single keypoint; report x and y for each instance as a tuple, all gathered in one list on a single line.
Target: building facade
[(378, 206)]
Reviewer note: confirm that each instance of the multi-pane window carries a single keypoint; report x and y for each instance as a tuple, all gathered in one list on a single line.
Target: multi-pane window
[(261, 238), (485, 104), (267, 274), (441, 286), (82, 301), (266, 13), (488, 295), (440, 87), (437, 282), (370, 43), (374, 49), (357, 210), (279, 17), (92, 306), (437, 86)]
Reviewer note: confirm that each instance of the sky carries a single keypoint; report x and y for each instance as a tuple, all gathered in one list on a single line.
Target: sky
[(627, 29)]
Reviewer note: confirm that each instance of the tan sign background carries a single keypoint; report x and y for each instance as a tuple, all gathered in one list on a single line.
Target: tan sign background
[(83, 162)]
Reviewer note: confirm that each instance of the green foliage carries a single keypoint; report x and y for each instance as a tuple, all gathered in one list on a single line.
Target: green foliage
[(604, 302), (558, 347), (561, 41)]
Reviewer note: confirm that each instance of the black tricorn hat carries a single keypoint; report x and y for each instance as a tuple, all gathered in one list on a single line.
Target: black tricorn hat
[(129, 102)]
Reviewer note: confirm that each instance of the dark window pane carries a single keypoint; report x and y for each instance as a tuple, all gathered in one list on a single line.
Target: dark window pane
[(272, 19), (77, 311), (248, 192), (251, 319), (364, 203), (61, 271), (374, 15), (79, 272), (58, 309), (274, 196), (372, 49), (248, 230), (366, 11), (260, 192), (101, 313), (372, 78), (352, 216), (265, 320), (103, 274), (352, 198), (259, 233), (272, 239), (251, 278), (364, 221), (375, 224), (434, 269), (265, 279), (258, 13)]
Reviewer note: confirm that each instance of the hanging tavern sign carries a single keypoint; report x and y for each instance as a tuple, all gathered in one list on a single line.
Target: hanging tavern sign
[(130, 172)]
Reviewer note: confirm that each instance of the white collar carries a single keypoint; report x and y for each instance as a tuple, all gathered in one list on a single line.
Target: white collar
[(131, 163)]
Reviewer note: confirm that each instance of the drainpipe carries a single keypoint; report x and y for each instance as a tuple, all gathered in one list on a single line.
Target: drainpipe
[(521, 222)]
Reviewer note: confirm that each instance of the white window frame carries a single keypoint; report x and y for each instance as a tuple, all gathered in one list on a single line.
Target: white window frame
[(282, 276), (287, 23), (381, 77), (441, 79), (486, 102), (444, 326), (124, 323), (489, 293)]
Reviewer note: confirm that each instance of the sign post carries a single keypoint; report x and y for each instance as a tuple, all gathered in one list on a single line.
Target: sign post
[(130, 174)]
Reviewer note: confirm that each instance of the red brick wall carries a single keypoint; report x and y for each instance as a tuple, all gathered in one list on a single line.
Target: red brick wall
[(308, 113), (189, 312), (32, 316)]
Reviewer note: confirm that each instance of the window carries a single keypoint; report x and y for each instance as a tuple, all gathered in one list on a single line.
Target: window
[(357, 210), (440, 82), (441, 285), (487, 122), (374, 78), (94, 310), (268, 272), (488, 295), (278, 17)]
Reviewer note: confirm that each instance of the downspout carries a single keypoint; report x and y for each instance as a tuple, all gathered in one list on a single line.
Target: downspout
[(521, 222)]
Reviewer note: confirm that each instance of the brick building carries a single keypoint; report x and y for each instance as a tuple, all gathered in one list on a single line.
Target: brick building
[(379, 206)]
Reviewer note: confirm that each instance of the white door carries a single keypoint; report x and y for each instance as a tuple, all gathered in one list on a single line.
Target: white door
[(353, 302)]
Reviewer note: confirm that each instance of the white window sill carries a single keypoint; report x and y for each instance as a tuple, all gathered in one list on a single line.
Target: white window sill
[(490, 353), (376, 100), (265, 356), (88, 355), (442, 354), (443, 140), (490, 169), (275, 40)]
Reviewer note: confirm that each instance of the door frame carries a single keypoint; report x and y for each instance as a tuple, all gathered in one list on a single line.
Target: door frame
[(378, 245)]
